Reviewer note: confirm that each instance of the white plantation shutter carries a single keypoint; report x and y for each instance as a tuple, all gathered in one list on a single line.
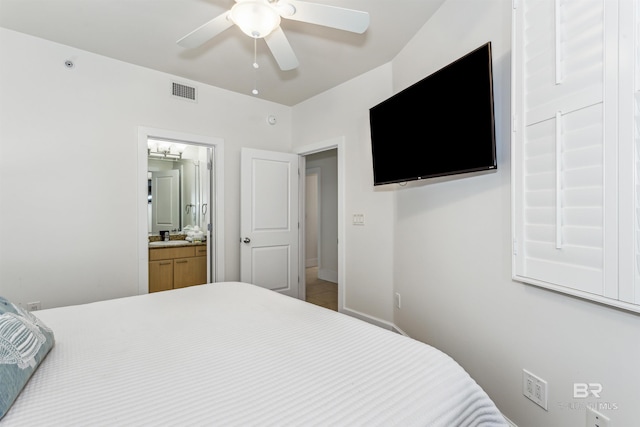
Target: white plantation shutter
[(567, 109), (635, 295), (631, 55), (563, 242), (560, 156), (563, 55)]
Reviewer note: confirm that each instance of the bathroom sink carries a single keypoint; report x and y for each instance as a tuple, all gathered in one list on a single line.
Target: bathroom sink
[(169, 243)]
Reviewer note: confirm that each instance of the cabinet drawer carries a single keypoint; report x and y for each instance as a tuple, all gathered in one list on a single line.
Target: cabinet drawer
[(171, 253), (201, 250)]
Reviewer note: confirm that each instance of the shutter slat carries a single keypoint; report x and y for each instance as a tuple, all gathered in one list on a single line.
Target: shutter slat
[(568, 255)]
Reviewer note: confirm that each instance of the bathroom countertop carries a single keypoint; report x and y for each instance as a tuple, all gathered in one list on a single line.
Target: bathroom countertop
[(174, 243)]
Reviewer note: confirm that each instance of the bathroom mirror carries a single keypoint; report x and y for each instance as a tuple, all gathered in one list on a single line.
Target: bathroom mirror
[(178, 187)]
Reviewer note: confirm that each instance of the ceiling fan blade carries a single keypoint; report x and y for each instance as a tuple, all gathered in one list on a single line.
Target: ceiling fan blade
[(351, 20), (206, 31), (281, 50)]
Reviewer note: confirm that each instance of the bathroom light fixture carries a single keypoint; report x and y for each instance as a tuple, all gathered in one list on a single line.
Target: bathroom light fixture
[(165, 150), (255, 18)]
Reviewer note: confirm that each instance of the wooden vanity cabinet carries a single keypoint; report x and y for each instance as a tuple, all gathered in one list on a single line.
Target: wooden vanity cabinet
[(188, 271), (160, 275), (177, 267)]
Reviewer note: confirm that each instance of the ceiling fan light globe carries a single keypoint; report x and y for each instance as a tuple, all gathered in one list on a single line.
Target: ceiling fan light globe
[(255, 18)]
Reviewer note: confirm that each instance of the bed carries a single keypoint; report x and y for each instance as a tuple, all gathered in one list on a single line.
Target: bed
[(234, 354)]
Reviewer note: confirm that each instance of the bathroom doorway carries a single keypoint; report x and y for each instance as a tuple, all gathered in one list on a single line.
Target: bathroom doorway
[(182, 179)]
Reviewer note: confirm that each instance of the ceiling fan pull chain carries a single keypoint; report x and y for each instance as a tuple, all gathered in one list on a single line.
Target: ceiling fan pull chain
[(255, 66)]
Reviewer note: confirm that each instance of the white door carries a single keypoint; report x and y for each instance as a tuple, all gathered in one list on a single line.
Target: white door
[(165, 200), (269, 220)]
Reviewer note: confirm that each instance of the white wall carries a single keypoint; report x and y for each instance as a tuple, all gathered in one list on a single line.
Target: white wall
[(453, 263), (311, 219), (344, 112), (68, 165)]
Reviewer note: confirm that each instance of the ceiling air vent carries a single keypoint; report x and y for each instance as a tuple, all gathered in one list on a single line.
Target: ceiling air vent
[(183, 91)]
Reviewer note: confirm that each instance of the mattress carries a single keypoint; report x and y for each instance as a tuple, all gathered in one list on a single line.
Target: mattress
[(234, 354)]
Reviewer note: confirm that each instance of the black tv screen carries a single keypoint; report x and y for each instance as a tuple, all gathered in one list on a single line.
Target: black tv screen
[(441, 125)]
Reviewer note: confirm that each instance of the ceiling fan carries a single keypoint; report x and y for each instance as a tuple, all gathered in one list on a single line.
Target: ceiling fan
[(261, 19)]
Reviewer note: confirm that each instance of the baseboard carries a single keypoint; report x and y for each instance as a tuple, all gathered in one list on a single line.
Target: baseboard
[(398, 330), (373, 320), (511, 424)]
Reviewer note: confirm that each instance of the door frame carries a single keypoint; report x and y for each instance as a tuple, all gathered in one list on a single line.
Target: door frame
[(318, 173), (305, 150), (215, 247)]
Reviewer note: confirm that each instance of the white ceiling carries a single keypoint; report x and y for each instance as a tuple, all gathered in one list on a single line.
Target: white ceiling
[(144, 32)]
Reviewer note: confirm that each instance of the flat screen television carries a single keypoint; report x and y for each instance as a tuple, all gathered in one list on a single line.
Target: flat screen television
[(441, 125)]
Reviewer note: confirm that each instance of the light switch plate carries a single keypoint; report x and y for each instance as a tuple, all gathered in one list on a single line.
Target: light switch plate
[(358, 219)]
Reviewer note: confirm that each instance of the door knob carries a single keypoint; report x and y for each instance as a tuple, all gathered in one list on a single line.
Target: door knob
[(246, 240)]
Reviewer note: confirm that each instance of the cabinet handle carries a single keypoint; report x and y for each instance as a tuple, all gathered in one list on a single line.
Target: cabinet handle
[(165, 263), (181, 262)]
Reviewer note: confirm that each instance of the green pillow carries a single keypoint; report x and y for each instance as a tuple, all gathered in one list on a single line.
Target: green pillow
[(24, 343)]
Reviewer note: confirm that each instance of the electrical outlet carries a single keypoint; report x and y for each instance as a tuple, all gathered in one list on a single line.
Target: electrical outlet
[(534, 388), (398, 300), (33, 306), (596, 419)]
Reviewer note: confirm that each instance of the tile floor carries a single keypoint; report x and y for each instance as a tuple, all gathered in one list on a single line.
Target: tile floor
[(320, 292)]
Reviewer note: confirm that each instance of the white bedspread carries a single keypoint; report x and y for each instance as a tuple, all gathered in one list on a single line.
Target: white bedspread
[(238, 355)]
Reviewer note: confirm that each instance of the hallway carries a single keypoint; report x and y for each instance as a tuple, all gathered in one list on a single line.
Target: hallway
[(320, 292)]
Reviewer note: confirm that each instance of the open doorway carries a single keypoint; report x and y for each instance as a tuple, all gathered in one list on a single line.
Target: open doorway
[(321, 228), (193, 192), (180, 177)]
